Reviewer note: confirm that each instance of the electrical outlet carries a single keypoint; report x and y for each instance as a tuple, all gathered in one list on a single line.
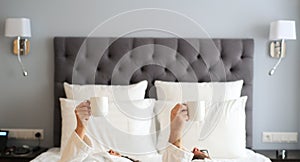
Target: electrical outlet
[(28, 134), (280, 137)]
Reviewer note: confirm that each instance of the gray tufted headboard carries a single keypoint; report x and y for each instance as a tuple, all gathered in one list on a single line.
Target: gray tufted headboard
[(129, 60)]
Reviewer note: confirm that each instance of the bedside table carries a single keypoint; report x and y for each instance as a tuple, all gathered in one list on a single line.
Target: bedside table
[(292, 155), (20, 158)]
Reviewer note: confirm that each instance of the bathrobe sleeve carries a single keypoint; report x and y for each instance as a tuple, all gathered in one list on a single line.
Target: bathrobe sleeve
[(76, 149), (174, 154)]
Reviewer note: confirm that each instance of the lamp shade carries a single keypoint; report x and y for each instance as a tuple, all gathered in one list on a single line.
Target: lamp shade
[(15, 27), (282, 29)]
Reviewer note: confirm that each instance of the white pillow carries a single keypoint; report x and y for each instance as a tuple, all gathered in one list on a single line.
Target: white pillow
[(191, 130), (222, 132), (224, 129), (113, 92), (126, 123), (205, 91), (68, 120)]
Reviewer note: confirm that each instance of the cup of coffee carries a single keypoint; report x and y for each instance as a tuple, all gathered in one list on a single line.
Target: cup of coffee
[(99, 106), (196, 110)]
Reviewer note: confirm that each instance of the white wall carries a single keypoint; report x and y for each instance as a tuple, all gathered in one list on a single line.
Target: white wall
[(28, 102)]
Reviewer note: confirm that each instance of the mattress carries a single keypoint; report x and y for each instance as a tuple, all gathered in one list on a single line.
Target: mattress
[(53, 155)]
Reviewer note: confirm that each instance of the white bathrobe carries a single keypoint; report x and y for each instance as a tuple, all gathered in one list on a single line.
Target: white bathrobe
[(78, 150)]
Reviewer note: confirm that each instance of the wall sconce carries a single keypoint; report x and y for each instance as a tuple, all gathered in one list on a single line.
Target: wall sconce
[(280, 31), (19, 28)]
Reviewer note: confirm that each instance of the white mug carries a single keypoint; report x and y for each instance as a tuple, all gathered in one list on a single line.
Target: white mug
[(99, 106), (196, 110)]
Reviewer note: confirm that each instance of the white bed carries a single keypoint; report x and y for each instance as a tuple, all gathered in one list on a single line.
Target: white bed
[(53, 155)]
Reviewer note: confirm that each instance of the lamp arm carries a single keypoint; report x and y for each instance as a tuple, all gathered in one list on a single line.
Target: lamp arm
[(25, 73), (281, 55), (272, 71)]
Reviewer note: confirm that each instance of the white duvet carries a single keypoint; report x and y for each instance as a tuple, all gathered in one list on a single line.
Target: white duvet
[(53, 155)]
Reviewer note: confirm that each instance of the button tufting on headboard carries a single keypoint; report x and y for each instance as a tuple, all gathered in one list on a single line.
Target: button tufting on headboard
[(129, 60)]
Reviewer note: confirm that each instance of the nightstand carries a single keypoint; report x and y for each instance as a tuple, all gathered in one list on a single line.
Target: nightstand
[(292, 155), (27, 158)]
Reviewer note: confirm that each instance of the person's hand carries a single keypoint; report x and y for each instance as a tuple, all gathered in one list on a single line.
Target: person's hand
[(198, 154), (83, 113), (179, 115)]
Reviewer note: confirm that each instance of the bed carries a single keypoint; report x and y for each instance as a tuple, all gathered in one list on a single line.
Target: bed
[(81, 60)]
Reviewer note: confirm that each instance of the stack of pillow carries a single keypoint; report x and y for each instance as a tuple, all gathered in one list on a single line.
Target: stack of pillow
[(222, 131), (120, 129)]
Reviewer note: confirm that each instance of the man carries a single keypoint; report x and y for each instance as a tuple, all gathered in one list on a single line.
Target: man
[(79, 147)]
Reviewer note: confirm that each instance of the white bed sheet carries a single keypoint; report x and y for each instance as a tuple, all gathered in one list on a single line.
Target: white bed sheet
[(53, 155)]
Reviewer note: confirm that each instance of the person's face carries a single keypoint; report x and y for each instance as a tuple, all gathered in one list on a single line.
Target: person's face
[(112, 152), (198, 154)]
